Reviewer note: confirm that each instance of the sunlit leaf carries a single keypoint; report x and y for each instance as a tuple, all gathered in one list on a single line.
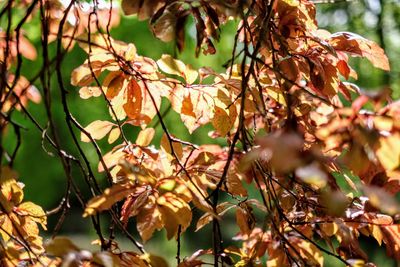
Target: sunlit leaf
[(111, 195), (145, 137), (388, 151), (97, 130)]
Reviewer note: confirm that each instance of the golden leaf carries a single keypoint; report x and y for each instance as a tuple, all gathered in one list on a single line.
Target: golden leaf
[(308, 251), (171, 66), (391, 237), (145, 137), (111, 195), (114, 135), (89, 91), (82, 75), (36, 212), (60, 246), (6, 229), (221, 121), (174, 212), (97, 130), (388, 151)]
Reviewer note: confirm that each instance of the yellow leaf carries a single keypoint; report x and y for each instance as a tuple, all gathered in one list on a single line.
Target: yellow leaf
[(11, 194), (111, 195), (381, 199), (36, 212), (176, 67), (6, 229), (176, 147), (145, 136), (308, 251), (313, 175), (376, 233), (89, 91), (114, 135), (221, 121), (190, 74), (97, 129), (171, 66), (83, 76), (388, 151), (174, 212), (60, 246), (130, 52)]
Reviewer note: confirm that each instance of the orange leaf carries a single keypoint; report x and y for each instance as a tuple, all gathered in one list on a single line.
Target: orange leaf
[(148, 220), (133, 106), (111, 195), (357, 45)]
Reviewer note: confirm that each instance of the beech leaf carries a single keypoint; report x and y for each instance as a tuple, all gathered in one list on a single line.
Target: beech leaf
[(111, 195), (145, 136), (97, 130)]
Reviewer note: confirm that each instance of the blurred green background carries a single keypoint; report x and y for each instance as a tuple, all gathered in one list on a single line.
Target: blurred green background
[(43, 174)]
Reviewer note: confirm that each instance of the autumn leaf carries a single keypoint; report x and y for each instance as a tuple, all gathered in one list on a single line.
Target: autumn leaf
[(145, 137), (381, 199), (60, 246), (176, 67), (112, 195), (308, 251), (133, 105), (388, 151), (36, 212), (221, 121), (175, 212), (148, 220), (83, 75), (391, 238), (97, 130), (90, 91), (357, 45), (114, 135)]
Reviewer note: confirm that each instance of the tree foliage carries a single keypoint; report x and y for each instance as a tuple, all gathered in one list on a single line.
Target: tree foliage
[(310, 162)]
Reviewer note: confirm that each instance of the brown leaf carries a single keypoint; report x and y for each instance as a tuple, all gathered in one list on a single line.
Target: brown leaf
[(149, 220)]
